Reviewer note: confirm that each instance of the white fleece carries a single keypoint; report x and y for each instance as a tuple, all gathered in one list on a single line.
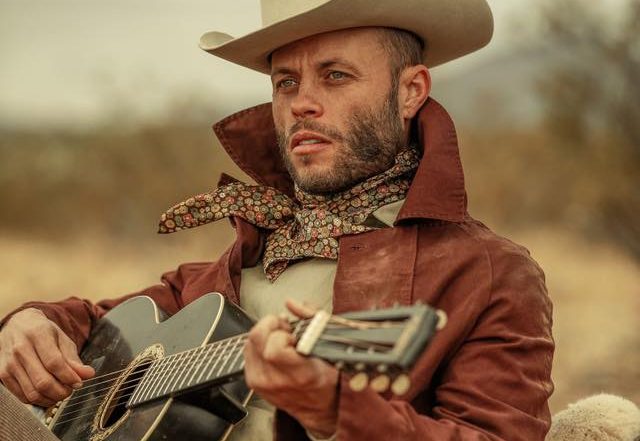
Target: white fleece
[(601, 417)]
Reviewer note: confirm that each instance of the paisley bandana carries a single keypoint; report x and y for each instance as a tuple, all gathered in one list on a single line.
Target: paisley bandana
[(307, 226)]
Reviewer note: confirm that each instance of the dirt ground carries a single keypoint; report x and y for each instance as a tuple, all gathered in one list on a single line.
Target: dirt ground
[(595, 290)]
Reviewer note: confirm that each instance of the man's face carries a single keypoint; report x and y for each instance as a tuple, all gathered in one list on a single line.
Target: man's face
[(335, 110)]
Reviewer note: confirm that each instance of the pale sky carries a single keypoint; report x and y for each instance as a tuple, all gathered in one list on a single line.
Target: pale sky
[(66, 61)]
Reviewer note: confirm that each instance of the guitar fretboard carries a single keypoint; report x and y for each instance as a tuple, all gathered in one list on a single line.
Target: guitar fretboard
[(216, 362), (190, 369)]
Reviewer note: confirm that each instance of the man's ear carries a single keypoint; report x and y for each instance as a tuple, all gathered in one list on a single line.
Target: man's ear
[(415, 86)]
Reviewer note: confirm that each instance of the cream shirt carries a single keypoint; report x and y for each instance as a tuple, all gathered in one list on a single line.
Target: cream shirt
[(310, 281)]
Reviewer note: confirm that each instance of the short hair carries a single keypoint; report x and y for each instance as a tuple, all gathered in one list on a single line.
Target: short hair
[(404, 49)]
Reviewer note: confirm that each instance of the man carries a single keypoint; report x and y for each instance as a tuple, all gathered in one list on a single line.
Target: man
[(377, 217)]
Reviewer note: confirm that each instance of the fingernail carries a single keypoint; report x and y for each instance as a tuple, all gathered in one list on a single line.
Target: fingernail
[(77, 385)]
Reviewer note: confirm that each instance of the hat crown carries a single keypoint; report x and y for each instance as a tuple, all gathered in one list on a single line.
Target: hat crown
[(274, 11), (451, 28)]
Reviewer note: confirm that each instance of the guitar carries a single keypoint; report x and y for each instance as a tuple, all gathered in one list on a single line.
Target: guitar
[(160, 378)]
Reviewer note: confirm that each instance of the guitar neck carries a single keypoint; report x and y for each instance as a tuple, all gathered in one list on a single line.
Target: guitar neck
[(390, 339), (207, 365)]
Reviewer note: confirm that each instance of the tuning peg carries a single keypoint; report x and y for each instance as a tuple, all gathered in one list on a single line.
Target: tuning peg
[(442, 319), (359, 381), (380, 383), (401, 385), (359, 366), (339, 365)]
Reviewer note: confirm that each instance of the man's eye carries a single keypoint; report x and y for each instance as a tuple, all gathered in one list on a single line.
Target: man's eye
[(337, 75), (286, 83)]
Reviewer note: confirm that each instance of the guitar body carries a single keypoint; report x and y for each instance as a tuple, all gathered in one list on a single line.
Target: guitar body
[(138, 327)]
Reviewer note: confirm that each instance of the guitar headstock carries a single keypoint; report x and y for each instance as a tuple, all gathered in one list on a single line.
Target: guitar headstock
[(380, 344)]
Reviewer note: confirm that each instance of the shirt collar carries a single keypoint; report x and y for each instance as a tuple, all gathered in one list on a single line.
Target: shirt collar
[(437, 191)]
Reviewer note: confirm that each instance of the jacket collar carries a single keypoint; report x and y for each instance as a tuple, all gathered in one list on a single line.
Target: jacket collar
[(437, 191)]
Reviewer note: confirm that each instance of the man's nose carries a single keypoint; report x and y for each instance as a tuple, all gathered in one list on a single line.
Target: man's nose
[(306, 103)]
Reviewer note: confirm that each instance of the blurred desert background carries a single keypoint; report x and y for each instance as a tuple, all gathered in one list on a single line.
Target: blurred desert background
[(105, 115)]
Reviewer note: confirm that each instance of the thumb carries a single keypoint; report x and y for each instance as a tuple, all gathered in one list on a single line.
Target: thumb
[(70, 352), (84, 370)]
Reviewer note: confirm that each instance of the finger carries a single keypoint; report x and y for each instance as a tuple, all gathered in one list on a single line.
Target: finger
[(40, 377), (28, 390), (254, 369), (286, 320), (53, 360), (70, 352), (279, 349), (299, 309), (261, 330)]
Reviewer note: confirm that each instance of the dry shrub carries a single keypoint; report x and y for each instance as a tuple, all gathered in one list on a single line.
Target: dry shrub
[(114, 182), (592, 111)]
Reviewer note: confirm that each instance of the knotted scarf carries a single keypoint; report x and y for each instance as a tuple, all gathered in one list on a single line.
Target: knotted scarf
[(307, 226)]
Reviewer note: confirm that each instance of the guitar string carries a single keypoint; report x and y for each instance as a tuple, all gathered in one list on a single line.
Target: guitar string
[(174, 359), (170, 368), (150, 365), (207, 356), (90, 410), (115, 373), (176, 362), (82, 412)]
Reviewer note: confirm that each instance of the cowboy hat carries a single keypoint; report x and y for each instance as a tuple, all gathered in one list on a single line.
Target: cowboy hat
[(449, 28)]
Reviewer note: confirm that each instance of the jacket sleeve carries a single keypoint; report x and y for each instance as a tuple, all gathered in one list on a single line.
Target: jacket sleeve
[(75, 316), (493, 387)]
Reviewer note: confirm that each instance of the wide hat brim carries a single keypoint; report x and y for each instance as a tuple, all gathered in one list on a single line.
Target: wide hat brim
[(449, 28)]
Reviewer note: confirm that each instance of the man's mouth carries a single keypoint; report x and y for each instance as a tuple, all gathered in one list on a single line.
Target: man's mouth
[(304, 143)]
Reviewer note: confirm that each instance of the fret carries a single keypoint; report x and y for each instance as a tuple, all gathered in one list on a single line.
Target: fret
[(175, 362), (237, 358), (213, 350), (148, 378), (144, 382), (187, 370), (183, 361), (141, 384), (195, 364), (151, 390), (163, 377), (190, 368), (213, 366), (227, 355)]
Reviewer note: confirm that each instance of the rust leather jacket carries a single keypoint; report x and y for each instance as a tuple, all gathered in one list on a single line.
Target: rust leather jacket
[(485, 376)]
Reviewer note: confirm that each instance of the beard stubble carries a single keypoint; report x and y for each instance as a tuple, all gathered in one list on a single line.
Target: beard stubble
[(373, 138)]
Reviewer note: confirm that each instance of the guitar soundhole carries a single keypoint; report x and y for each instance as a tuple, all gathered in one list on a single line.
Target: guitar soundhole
[(116, 407)]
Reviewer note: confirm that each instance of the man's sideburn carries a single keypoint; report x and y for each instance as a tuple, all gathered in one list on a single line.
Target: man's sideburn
[(372, 140)]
